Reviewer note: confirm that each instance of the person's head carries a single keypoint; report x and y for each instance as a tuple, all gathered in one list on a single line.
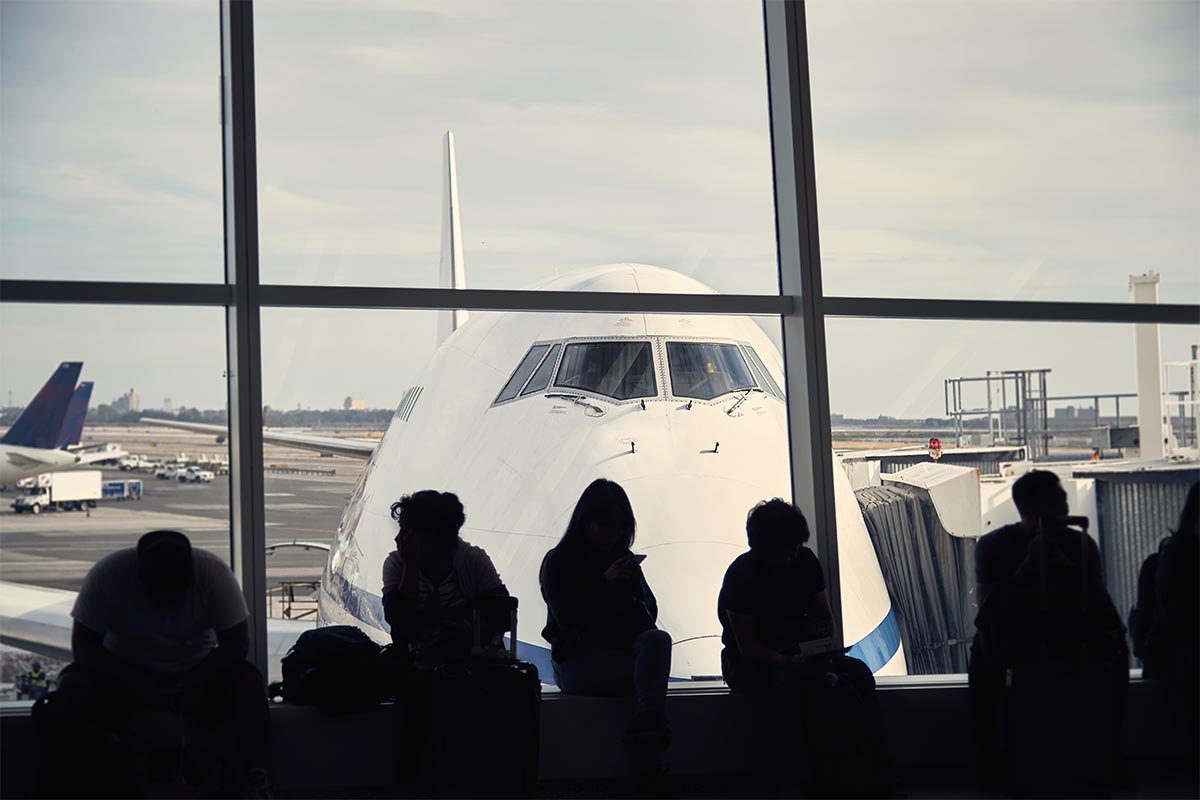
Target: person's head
[(603, 519), (1189, 520), (776, 530), (435, 517), (37, 666), (1039, 495), (165, 566)]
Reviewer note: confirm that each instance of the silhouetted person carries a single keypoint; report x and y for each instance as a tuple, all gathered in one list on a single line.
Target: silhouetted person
[(774, 613), (1172, 641), (163, 627), (601, 615), (430, 583), (433, 578), (1049, 667)]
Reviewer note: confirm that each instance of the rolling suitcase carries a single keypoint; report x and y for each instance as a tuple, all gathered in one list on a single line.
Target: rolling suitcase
[(486, 720)]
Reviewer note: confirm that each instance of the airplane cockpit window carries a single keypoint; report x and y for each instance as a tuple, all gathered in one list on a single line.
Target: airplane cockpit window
[(528, 364), (705, 370), (762, 374), (621, 370), (541, 378)]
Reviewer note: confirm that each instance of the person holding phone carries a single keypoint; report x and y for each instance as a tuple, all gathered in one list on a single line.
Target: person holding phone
[(601, 614)]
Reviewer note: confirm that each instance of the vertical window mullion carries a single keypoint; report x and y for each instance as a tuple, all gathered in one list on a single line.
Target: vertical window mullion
[(811, 440), (243, 342)]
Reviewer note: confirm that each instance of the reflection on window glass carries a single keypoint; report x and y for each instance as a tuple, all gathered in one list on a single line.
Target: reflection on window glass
[(541, 378), (704, 370), (110, 161), (1001, 399), (649, 136), (760, 369), (526, 367), (1032, 150), (622, 370)]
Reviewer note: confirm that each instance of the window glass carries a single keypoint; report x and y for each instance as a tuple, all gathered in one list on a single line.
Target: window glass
[(1002, 398), (761, 369), (541, 378), (110, 161), (705, 370), (622, 370), (1031, 151), (428, 422), (134, 478), (648, 141), (524, 369)]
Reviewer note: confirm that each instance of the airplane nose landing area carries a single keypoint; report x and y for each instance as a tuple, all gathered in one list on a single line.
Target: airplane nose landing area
[(686, 579)]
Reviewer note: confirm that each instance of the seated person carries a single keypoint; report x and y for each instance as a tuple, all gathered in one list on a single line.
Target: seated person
[(163, 626), (1047, 628), (432, 580), (776, 622), (601, 614)]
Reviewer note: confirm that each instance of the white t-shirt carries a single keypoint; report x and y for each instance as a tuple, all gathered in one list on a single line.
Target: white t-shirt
[(170, 641)]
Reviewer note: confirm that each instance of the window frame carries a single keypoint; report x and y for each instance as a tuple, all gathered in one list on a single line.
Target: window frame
[(801, 303), (500, 399)]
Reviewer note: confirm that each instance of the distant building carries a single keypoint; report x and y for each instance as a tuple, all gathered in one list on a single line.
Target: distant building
[(353, 404), (130, 401), (1070, 412), (167, 404)]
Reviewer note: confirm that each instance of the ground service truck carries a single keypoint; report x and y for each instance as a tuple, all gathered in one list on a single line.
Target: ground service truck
[(64, 491)]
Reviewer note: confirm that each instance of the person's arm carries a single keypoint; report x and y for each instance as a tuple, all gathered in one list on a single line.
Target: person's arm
[(753, 648), (824, 612), (400, 598)]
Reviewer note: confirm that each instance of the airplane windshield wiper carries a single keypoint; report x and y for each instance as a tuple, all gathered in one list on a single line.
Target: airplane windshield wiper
[(742, 399), (579, 399)]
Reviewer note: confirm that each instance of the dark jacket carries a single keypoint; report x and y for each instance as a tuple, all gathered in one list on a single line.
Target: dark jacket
[(584, 609)]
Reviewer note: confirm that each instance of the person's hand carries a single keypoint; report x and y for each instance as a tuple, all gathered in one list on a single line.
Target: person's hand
[(622, 569), (410, 550)]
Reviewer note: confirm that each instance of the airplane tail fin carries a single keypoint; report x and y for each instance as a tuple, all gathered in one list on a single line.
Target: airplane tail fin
[(42, 420), (72, 427), (452, 272)]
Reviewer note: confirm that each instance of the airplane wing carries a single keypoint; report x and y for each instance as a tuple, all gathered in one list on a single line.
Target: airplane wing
[(29, 458), (350, 448), (38, 619)]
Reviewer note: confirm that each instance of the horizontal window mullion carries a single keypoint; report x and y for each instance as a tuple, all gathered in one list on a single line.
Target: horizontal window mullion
[(1011, 310), (520, 300), (116, 292)]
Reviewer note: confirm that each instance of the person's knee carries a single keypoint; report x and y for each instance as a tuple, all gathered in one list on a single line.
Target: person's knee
[(655, 640)]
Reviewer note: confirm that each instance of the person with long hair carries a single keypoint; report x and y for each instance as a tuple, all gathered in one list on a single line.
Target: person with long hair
[(601, 614)]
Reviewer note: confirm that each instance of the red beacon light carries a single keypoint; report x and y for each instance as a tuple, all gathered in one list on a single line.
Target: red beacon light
[(935, 448)]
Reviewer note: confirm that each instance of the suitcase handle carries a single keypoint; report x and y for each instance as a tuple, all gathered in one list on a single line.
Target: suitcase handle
[(497, 603)]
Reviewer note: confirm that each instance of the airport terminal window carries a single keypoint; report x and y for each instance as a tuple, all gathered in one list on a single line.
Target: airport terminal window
[(524, 370), (621, 370), (541, 378), (705, 370)]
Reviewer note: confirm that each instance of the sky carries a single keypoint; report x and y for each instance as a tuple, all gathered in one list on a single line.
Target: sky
[(1039, 150)]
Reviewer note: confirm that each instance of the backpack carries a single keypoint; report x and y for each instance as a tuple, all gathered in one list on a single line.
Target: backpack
[(1141, 616), (336, 668)]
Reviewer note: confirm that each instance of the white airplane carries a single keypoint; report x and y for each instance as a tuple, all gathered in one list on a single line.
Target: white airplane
[(518, 412)]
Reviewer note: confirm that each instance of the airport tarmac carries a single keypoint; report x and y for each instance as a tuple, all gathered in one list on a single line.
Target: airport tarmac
[(56, 549)]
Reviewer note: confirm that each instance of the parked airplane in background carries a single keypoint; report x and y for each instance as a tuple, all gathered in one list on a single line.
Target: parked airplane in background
[(45, 437), (518, 412)]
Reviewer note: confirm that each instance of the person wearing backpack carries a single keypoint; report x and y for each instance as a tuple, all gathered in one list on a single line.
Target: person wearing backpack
[(1049, 667)]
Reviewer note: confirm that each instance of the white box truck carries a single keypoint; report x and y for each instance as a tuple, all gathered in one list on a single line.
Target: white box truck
[(61, 491)]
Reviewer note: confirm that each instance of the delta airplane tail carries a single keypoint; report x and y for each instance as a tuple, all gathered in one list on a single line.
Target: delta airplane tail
[(41, 423), (72, 427)]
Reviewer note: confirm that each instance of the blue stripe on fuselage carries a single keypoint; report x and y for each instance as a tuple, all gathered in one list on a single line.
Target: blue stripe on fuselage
[(877, 647)]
